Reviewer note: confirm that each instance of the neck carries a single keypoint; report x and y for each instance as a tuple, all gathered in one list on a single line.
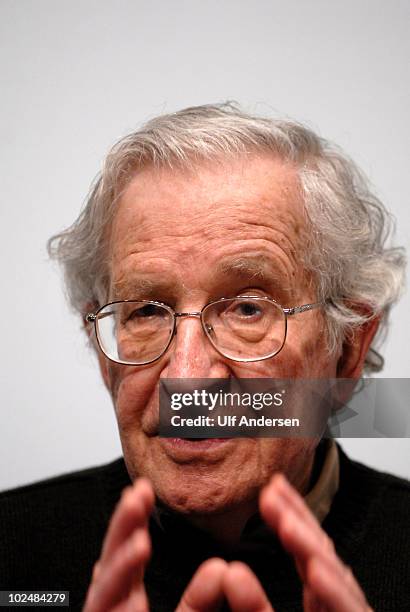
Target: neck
[(226, 527)]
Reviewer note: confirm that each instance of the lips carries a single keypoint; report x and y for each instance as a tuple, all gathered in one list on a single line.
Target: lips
[(196, 440), (186, 449)]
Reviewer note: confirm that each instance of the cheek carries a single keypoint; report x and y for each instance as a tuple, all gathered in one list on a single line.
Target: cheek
[(292, 456), (134, 393), (305, 354)]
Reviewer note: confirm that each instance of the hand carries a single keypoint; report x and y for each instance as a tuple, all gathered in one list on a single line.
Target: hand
[(117, 581), (216, 581), (329, 585)]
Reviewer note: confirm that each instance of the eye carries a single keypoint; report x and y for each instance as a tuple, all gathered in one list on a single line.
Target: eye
[(145, 312), (148, 310), (246, 309)]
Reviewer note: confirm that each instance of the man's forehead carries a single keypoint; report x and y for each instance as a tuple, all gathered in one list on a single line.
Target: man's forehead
[(244, 218), (226, 185), (187, 220)]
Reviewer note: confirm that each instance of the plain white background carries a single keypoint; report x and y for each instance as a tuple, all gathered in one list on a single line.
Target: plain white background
[(78, 75)]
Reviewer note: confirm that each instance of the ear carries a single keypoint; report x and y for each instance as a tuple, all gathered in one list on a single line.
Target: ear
[(104, 369), (355, 349), (102, 360)]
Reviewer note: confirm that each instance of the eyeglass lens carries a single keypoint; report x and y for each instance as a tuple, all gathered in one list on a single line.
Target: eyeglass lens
[(240, 328), (244, 328)]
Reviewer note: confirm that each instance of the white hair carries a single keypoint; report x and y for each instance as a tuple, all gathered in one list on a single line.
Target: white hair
[(349, 252)]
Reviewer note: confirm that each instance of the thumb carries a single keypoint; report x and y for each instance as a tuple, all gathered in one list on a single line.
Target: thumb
[(243, 590), (204, 593)]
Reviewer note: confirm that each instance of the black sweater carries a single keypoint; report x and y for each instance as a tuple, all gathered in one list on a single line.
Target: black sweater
[(51, 533)]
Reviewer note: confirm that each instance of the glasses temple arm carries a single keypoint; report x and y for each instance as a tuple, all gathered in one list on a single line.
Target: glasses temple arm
[(303, 308)]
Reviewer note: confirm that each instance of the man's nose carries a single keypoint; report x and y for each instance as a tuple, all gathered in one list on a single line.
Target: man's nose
[(191, 355)]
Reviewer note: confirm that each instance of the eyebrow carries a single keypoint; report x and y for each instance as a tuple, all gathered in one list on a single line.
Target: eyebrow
[(132, 288), (258, 268)]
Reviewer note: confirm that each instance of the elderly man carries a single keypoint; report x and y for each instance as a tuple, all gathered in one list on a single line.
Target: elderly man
[(210, 214)]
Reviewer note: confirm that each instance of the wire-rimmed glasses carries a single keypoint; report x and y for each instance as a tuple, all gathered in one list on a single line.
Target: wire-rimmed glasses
[(243, 328)]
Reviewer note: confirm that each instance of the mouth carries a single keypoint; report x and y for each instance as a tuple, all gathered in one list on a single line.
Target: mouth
[(185, 449)]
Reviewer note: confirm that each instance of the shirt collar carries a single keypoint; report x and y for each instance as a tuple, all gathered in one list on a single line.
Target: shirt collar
[(320, 497)]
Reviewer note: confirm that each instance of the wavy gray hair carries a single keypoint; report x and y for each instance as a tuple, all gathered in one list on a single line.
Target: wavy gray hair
[(348, 253)]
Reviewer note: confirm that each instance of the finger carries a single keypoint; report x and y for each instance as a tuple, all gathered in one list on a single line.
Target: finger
[(303, 537), (115, 578), (132, 512), (280, 489), (96, 571), (311, 602), (333, 593), (243, 590), (205, 593), (302, 543), (341, 574), (136, 602), (299, 532)]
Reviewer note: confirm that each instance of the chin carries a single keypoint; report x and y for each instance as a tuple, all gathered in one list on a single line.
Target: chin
[(195, 489), (193, 479), (198, 501)]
